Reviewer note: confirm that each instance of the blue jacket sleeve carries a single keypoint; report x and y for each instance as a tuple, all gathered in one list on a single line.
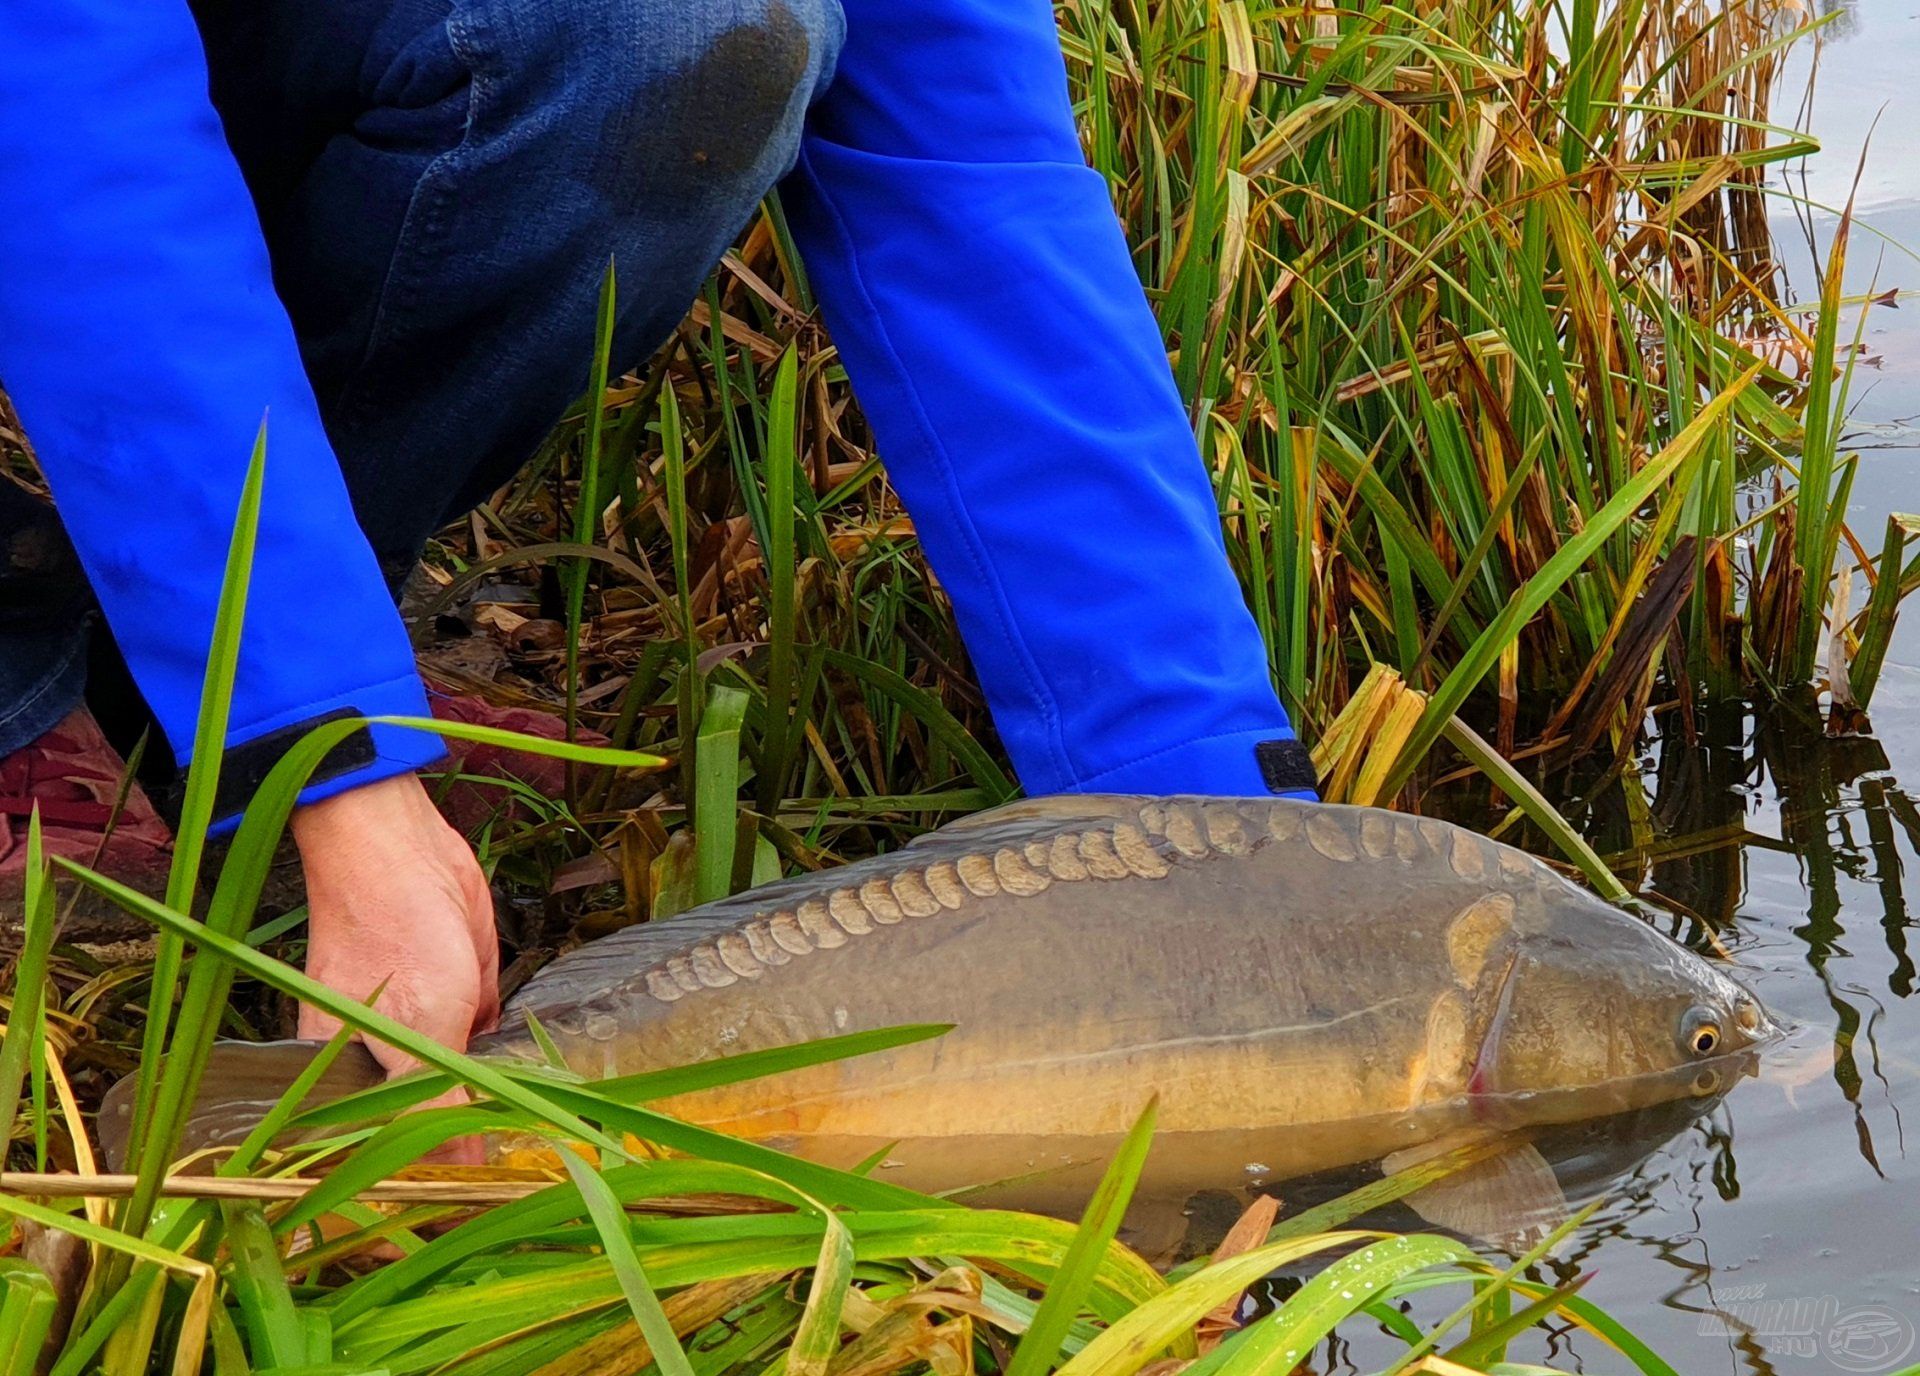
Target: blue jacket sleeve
[(977, 283), (141, 342)]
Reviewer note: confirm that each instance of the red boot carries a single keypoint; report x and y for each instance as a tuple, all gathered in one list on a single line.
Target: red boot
[(74, 777), (468, 805)]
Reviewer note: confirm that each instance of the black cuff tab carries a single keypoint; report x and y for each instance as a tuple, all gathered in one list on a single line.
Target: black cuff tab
[(245, 767), (1285, 766)]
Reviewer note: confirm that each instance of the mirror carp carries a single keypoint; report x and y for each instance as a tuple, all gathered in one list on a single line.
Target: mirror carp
[(1303, 986)]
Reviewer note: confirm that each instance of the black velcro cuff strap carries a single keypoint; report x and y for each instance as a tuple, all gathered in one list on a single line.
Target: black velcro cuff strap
[(1285, 766), (245, 767)]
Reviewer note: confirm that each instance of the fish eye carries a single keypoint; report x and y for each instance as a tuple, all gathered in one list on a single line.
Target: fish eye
[(1700, 1031)]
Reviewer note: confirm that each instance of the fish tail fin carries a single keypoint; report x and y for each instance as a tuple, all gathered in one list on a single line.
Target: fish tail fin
[(242, 1081)]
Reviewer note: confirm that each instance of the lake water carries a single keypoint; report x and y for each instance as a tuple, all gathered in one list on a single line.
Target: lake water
[(1780, 1233)]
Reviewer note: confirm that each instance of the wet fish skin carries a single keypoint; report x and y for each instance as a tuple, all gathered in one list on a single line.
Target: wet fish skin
[(1257, 962), (1334, 983)]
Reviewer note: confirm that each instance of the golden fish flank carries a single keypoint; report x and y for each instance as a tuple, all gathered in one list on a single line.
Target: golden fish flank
[(1519, 973), (1439, 1068)]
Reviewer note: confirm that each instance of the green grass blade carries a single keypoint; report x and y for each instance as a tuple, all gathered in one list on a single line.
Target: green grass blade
[(941, 723), (1039, 1350), (27, 1309), (160, 1076), (1285, 1339), (395, 1095), (1542, 813), (586, 515), (816, 1337), (1164, 1323), (1473, 666), (610, 1222), (717, 793), (26, 1015), (782, 574), (1596, 1320), (276, 1334), (1489, 1344)]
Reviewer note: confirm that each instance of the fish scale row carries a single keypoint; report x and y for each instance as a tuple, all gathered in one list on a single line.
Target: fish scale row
[(1147, 847)]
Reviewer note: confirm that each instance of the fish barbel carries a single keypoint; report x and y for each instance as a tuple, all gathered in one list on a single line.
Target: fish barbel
[(1321, 985)]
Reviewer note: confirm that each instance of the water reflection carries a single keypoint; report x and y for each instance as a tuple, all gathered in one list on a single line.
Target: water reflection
[(1787, 851), (1845, 20)]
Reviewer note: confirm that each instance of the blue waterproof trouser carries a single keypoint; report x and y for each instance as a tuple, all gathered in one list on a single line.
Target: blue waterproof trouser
[(436, 187)]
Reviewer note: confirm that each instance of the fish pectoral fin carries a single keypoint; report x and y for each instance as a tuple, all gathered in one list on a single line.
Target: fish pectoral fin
[(1509, 1199), (1157, 1228)]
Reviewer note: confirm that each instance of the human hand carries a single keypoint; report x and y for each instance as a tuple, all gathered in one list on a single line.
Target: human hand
[(395, 895)]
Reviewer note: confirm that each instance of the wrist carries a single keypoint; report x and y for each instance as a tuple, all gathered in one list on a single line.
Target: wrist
[(371, 810)]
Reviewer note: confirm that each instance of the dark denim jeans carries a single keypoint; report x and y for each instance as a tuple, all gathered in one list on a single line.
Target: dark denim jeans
[(442, 184)]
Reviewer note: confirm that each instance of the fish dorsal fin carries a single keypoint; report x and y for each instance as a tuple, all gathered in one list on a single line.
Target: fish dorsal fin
[(602, 964), (1054, 809), (1018, 850), (980, 832)]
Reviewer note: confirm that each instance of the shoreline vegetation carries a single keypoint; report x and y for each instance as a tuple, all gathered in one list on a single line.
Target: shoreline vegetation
[(1517, 441)]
